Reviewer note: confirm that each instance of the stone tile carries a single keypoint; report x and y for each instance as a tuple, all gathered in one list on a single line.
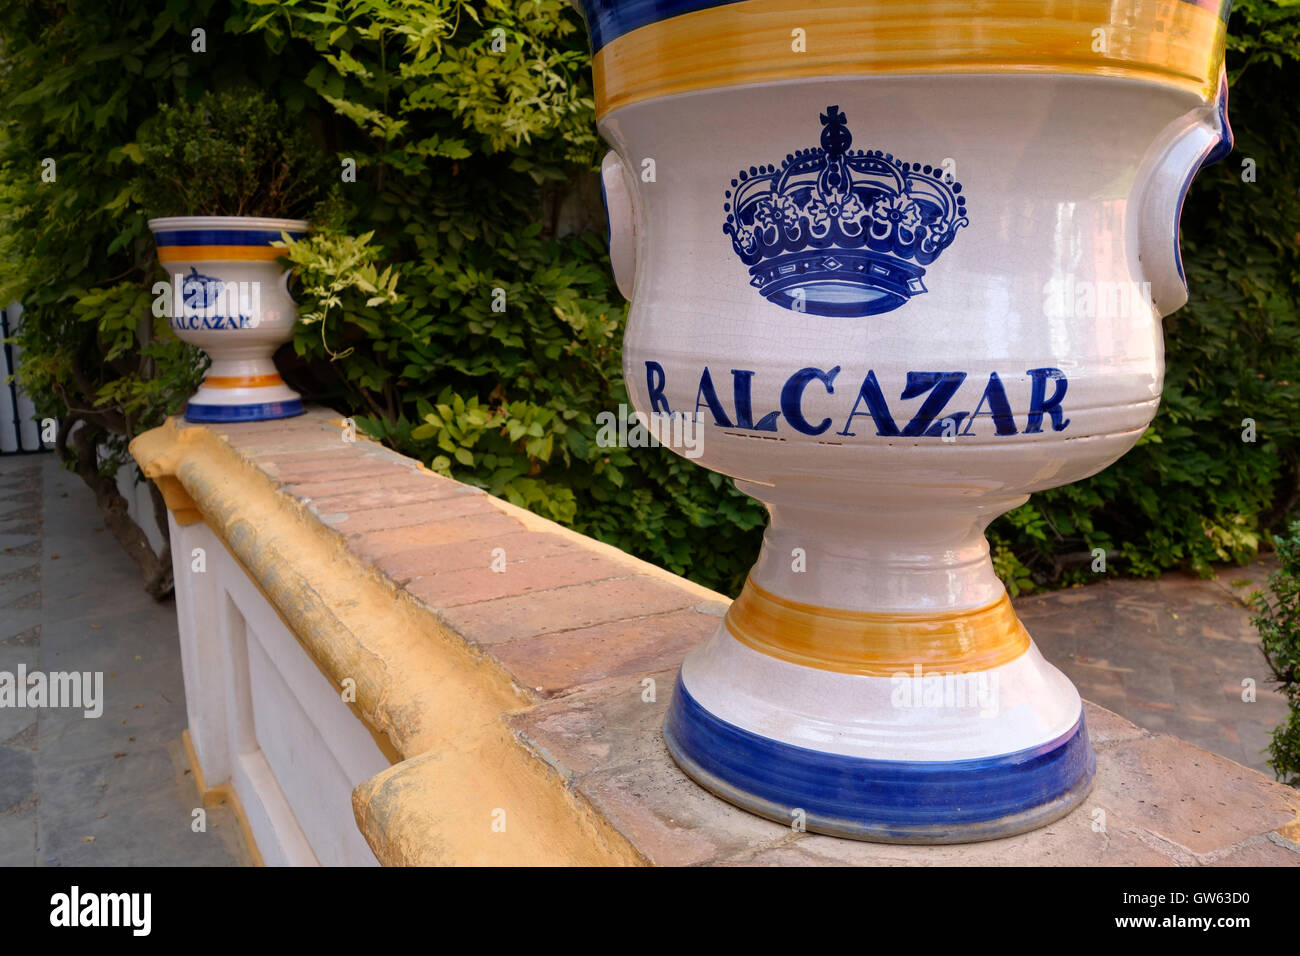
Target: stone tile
[(1104, 685), (90, 613), (18, 585), (18, 837), (487, 525), (482, 583), (18, 790), (1191, 798), (1054, 636), (416, 489), (137, 715), (272, 447), (1198, 689), (561, 609), (301, 427), (1208, 734), (616, 724), (27, 636), (1255, 737), (136, 810), (786, 854), (1105, 728), (672, 820), (1070, 841), (345, 487), (326, 463), (1183, 590), (27, 525), (1239, 583), (1259, 851), (18, 504), (400, 516), (346, 451), (1151, 687), (336, 468), (557, 663), (14, 720), (20, 544), (519, 546)]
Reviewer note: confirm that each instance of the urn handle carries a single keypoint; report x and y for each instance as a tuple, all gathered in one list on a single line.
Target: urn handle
[(620, 215), (1183, 148)]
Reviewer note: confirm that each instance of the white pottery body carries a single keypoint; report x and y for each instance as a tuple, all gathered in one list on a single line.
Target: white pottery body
[(231, 299), (1055, 189), (1053, 277)]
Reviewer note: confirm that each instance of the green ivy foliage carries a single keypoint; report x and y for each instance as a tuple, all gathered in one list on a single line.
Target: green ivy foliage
[(473, 135), (458, 301)]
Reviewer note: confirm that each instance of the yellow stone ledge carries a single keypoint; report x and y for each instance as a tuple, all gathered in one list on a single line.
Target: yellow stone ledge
[(441, 704)]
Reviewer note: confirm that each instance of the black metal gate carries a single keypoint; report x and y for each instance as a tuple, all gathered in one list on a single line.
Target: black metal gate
[(19, 430)]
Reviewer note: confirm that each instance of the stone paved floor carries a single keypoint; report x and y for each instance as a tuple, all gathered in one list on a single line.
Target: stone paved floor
[(109, 791), (1170, 655)]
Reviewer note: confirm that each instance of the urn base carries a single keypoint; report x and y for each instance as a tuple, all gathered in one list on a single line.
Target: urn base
[(254, 412), (926, 755), (243, 398)]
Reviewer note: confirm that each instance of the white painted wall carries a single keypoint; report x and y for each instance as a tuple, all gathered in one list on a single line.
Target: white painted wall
[(138, 503), (263, 717)]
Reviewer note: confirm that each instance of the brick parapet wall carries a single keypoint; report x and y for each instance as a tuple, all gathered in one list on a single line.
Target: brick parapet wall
[(588, 640)]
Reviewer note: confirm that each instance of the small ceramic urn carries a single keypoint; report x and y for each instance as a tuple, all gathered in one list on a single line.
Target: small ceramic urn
[(230, 298), (901, 265)]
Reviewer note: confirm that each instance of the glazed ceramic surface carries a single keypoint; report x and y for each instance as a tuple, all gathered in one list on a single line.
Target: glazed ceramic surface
[(230, 298), (900, 280)]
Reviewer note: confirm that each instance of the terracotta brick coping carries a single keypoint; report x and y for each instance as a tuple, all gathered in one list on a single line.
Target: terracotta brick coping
[(512, 663)]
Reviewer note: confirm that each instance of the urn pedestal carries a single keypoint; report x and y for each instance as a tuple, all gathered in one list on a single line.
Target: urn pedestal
[(230, 298), (901, 265)]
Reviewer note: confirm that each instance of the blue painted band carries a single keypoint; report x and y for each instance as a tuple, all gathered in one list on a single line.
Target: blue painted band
[(259, 412), (607, 20), (220, 237), (1220, 149), (905, 801)]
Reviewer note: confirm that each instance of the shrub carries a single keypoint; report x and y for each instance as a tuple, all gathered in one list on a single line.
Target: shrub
[(1278, 621), (230, 153)]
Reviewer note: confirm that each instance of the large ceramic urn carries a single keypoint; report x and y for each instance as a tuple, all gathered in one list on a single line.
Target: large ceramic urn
[(901, 265), (230, 298)]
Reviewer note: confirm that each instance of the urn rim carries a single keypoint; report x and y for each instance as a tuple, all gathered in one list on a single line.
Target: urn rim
[(232, 223)]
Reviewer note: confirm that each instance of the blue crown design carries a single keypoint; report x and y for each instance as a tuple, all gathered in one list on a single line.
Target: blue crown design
[(200, 291), (831, 231)]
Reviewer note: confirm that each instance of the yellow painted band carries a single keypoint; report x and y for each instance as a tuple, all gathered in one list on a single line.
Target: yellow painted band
[(242, 381), (196, 253), (875, 644), (1163, 41)]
